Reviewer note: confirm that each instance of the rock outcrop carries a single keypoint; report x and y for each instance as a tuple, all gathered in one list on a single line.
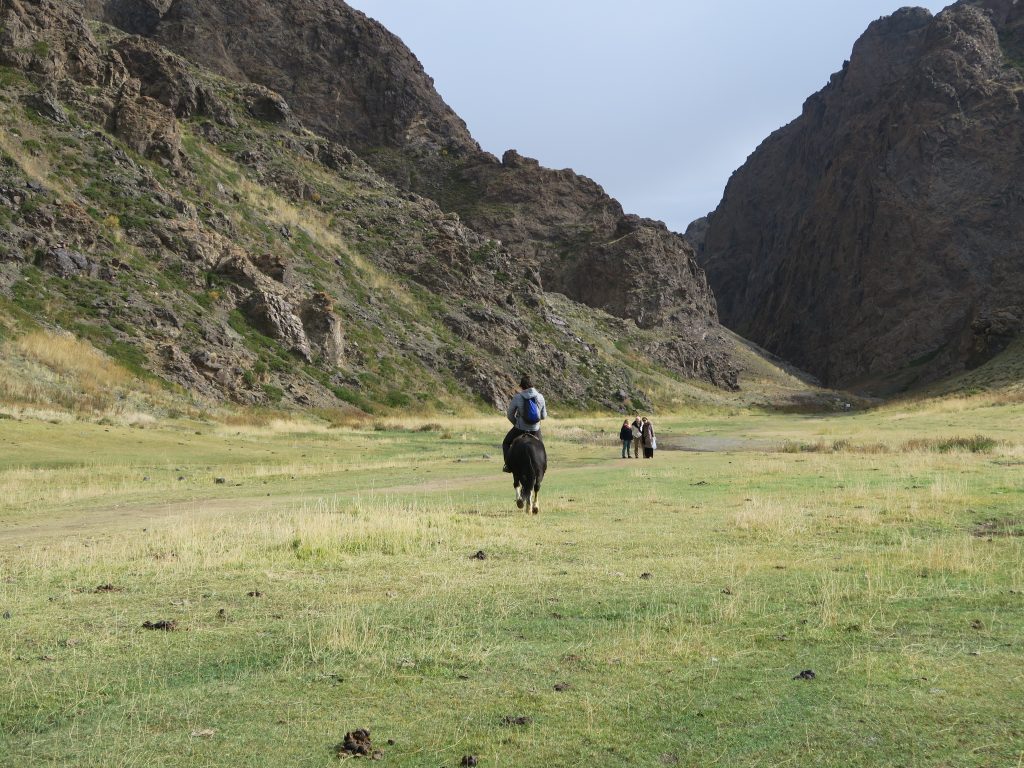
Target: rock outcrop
[(582, 243), (48, 38), (163, 77), (148, 127), (345, 75), (876, 240)]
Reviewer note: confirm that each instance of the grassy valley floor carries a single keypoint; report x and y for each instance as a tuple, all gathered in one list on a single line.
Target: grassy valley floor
[(654, 613)]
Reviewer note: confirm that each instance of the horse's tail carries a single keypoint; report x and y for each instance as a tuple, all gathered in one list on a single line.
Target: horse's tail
[(536, 471)]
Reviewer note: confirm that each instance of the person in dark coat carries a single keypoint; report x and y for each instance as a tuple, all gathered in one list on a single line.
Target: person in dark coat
[(649, 440), (626, 436)]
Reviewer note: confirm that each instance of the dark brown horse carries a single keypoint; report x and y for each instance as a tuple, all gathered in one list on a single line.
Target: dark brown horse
[(528, 461)]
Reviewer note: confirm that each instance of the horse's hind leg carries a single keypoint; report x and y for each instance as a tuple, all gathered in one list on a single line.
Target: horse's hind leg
[(536, 500), (526, 500), (519, 496)]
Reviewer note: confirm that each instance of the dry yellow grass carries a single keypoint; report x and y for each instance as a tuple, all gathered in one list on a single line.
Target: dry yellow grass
[(773, 515), (953, 403), (54, 376), (68, 356), (35, 167)]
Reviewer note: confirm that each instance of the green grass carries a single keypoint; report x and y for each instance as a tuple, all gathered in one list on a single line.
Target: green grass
[(897, 577)]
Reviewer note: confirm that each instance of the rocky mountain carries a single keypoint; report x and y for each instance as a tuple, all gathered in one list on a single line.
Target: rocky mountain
[(876, 241), (246, 218), (349, 79)]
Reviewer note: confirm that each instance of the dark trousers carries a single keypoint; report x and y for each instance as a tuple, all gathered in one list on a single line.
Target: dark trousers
[(512, 435)]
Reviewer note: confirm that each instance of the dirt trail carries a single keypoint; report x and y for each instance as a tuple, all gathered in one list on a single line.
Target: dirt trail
[(122, 516), (119, 517)]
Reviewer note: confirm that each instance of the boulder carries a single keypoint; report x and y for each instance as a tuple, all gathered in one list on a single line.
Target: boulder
[(149, 128), (162, 76), (67, 263), (46, 105), (274, 315), (323, 328), (267, 105), (276, 267)]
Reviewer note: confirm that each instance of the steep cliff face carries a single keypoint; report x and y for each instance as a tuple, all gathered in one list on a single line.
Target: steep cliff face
[(351, 80), (877, 239)]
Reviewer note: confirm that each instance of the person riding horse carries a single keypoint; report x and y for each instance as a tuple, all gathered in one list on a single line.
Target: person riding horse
[(523, 449), (526, 411)]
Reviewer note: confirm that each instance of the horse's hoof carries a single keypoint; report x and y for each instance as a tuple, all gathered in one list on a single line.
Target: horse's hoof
[(520, 503), (536, 510)]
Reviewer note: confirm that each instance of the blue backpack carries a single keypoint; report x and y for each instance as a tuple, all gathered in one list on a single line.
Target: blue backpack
[(530, 412)]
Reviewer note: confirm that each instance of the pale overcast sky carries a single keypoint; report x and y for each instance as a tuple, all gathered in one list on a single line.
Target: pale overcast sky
[(657, 100)]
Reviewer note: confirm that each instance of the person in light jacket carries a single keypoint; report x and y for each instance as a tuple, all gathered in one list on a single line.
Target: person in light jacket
[(527, 405), (637, 436)]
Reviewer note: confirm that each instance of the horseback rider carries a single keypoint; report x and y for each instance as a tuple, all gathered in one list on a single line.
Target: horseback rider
[(526, 411)]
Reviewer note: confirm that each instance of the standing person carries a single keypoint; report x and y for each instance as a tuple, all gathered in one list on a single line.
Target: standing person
[(626, 436), (650, 441), (637, 435), (526, 411)]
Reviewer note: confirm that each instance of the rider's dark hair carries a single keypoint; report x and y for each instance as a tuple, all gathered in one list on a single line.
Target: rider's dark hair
[(525, 382)]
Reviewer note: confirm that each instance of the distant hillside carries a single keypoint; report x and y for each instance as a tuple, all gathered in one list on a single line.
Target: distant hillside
[(876, 241), (198, 233), (352, 81)]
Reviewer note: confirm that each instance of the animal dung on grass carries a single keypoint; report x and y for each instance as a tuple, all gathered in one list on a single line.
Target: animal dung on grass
[(479, 555), (646, 576), (357, 743), (807, 674), (561, 687), (516, 720), (254, 593), (165, 625), (102, 588), (469, 761)]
